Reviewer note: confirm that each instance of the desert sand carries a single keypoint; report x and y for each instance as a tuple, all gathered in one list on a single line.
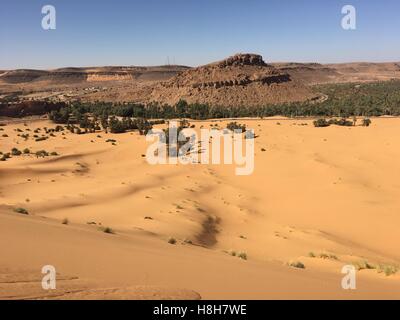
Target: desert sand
[(330, 191)]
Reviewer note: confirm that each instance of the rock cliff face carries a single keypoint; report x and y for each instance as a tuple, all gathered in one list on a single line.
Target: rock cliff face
[(243, 79), (99, 74)]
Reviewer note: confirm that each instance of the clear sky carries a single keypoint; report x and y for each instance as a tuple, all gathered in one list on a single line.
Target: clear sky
[(194, 32)]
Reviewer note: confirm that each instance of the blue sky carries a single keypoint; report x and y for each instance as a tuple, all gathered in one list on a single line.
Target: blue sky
[(194, 32)]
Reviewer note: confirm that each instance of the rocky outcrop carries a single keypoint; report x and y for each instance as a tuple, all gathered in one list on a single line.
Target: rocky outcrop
[(243, 79), (242, 60)]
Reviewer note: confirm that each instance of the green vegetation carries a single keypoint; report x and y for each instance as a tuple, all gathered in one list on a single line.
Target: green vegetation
[(107, 230), (297, 265), (344, 100), (242, 255), (21, 211), (387, 269), (41, 154), (234, 126), (366, 122), (323, 255), (5, 156), (321, 123), (172, 241), (15, 152), (41, 139)]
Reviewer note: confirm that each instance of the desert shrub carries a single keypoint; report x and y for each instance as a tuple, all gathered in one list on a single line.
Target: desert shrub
[(341, 122), (5, 156), (234, 126), (366, 122), (21, 211), (297, 265), (363, 265), (107, 230), (242, 255), (41, 153), (328, 256), (116, 126), (321, 123), (388, 270), (5, 135), (41, 139), (172, 240), (26, 151), (53, 153), (15, 152), (65, 221)]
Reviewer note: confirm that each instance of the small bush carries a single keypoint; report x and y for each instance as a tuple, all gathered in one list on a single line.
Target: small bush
[(388, 270), (363, 265), (172, 241), (366, 122), (297, 265), (342, 122), (15, 152), (234, 126), (21, 211), (42, 153), (41, 139), (321, 123), (5, 157), (232, 253), (107, 230), (242, 255), (65, 221), (26, 151), (328, 256)]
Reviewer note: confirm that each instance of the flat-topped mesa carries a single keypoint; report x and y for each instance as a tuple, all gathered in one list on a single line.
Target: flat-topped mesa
[(243, 59)]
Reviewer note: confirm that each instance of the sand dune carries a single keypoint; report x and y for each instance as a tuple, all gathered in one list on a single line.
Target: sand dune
[(331, 191)]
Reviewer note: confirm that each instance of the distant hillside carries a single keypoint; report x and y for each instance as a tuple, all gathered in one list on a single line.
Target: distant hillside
[(243, 79), (96, 74)]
